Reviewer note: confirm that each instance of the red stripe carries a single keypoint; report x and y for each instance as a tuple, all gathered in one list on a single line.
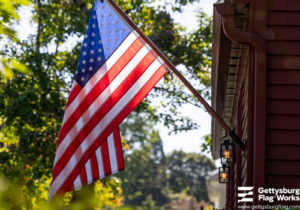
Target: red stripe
[(119, 150), (83, 176), (73, 94), (122, 115), (97, 90), (105, 158), (94, 166), (94, 162), (114, 98)]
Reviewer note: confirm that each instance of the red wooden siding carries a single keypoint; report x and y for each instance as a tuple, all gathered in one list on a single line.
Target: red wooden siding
[(240, 168), (283, 95), (286, 137)]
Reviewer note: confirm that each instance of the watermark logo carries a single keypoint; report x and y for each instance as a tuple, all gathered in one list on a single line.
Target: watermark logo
[(245, 194)]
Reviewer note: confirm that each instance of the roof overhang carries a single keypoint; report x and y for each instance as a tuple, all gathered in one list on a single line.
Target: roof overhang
[(220, 60), (227, 61)]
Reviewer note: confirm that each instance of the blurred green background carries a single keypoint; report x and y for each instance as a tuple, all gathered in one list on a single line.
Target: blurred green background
[(35, 79)]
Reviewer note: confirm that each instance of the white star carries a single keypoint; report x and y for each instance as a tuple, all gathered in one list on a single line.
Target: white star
[(95, 8), (99, 50), (109, 23), (107, 49), (117, 22), (116, 39), (116, 30), (90, 68), (82, 78), (84, 53), (84, 44), (101, 24), (124, 29), (108, 40), (100, 41), (83, 62), (87, 27), (92, 51), (99, 59), (85, 36), (102, 16), (103, 7), (101, 33), (108, 32), (76, 73), (91, 60), (109, 14), (93, 34), (83, 70), (93, 43), (94, 17), (94, 26)]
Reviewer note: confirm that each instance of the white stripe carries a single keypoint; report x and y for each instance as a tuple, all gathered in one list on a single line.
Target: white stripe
[(60, 179), (73, 84), (88, 169), (112, 153), (77, 183), (100, 163), (99, 102), (98, 75)]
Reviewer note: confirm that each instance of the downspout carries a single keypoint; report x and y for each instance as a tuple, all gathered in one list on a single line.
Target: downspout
[(226, 10)]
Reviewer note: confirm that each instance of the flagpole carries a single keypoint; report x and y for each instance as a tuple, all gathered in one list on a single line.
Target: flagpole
[(180, 76)]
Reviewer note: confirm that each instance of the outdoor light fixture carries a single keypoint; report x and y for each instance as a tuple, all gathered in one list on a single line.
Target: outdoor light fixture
[(227, 152), (224, 174)]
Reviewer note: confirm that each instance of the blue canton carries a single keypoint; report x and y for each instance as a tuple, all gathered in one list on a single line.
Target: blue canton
[(105, 32)]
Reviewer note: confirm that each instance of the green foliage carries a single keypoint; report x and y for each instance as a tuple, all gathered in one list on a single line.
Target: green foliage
[(107, 195), (187, 173), (33, 102), (8, 14), (151, 175), (147, 204), (206, 146), (192, 50)]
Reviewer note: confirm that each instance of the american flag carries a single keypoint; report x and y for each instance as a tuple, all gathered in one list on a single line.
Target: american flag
[(116, 70)]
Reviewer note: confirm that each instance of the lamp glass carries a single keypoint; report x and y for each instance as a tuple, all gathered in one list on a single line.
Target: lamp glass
[(227, 152), (224, 174)]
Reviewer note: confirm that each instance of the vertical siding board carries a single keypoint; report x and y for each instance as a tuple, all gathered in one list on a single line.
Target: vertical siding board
[(283, 95), (287, 18), (283, 77), (244, 183), (286, 5), (291, 62), (283, 92), (283, 107), (283, 122), (289, 182), (283, 33), (283, 152), (248, 133), (287, 137), (283, 167), (283, 47), (244, 169), (259, 113)]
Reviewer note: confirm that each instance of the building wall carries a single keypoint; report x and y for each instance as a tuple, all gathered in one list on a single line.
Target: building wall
[(281, 32), (240, 168), (283, 94)]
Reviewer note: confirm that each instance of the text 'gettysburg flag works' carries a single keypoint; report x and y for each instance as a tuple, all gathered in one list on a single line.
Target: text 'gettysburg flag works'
[(116, 70)]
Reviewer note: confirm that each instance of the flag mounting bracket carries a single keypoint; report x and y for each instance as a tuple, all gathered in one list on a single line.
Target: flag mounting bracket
[(209, 109)]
